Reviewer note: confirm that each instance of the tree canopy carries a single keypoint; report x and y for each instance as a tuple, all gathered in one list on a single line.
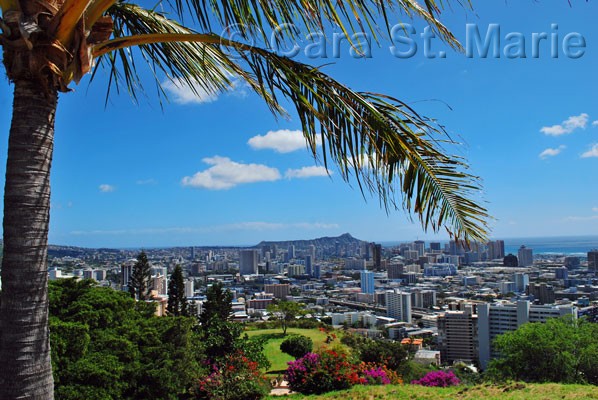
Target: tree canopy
[(559, 350)]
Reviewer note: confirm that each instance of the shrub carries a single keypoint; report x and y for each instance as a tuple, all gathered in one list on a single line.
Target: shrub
[(330, 370), (438, 379), (234, 378), (297, 346)]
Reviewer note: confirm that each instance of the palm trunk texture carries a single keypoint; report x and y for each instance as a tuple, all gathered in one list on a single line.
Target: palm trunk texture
[(25, 364)]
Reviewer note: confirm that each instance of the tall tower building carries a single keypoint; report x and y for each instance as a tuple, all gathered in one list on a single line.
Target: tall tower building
[(458, 335), (309, 265), (291, 252), (593, 260), (398, 305), (525, 257), (420, 247), (367, 282), (248, 262)]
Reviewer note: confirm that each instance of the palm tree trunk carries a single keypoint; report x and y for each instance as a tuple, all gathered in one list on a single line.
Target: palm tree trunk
[(25, 365)]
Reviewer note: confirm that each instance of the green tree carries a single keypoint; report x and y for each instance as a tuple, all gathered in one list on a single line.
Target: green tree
[(139, 284), (297, 346), (107, 346), (48, 45), (177, 301), (559, 350), (285, 312)]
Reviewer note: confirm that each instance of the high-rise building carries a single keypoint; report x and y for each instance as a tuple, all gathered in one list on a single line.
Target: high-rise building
[(521, 282), (248, 262), (395, 271), (377, 255), (423, 298), (398, 305), (525, 257), (280, 291), (561, 273), (291, 252), (126, 270), (435, 246), (496, 319), (593, 260), (510, 260), (367, 282), (420, 247), (312, 251), (542, 292), (458, 335), (308, 265), (571, 262), (189, 288), (496, 249)]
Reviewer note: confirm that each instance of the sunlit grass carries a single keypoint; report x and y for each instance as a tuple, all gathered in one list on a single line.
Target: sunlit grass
[(509, 391), (277, 358)]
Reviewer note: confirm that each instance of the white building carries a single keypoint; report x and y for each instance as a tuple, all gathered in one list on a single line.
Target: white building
[(398, 305), (496, 319), (525, 257)]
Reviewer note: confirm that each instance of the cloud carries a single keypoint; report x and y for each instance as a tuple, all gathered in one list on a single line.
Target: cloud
[(595, 209), (105, 188), (551, 152), (595, 123), (225, 174), (577, 219), (241, 226), (182, 93), (306, 172), (568, 126), (593, 152), (281, 141)]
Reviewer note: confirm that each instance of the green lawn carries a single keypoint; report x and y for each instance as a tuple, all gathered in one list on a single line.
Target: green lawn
[(277, 358), (509, 391)]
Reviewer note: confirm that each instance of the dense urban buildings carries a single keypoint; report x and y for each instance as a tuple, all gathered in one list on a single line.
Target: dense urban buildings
[(457, 297)]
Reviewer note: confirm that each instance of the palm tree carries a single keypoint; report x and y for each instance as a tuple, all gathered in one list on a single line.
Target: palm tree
[(377, 140)]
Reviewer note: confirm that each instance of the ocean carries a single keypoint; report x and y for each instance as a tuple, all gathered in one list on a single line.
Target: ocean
[(555, 245)]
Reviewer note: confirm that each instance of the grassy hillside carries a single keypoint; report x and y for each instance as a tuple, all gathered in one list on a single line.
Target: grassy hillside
[(277, 358), (511, 391)]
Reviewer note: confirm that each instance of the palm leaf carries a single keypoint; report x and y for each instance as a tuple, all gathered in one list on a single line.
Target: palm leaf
[(258, 17), (379, 141)]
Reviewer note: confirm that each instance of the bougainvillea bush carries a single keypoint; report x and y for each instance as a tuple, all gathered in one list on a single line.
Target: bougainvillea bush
[(234, 378), (438, 379), (327, 371)]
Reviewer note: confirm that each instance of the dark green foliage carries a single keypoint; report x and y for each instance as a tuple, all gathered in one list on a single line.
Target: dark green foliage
[(139, 285), (297, 346), (560, 350), (105, 346), (177, 301)]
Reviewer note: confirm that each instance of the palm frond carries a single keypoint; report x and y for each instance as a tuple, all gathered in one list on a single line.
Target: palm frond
[(381, 142), (257, 17)]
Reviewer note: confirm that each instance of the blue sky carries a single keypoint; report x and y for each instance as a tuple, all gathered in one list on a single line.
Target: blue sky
[(221, 170)]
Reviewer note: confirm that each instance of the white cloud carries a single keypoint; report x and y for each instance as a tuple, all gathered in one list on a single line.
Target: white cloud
[(577, 219), (241, 226), (282, 141), (551, 152), (225, 174), (105, 188), (182, 93), (595, 123), (306, 172), (569, 125), (595, 209), (593, 152)]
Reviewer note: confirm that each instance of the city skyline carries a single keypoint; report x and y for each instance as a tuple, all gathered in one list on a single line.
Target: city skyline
[(220, 170)]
